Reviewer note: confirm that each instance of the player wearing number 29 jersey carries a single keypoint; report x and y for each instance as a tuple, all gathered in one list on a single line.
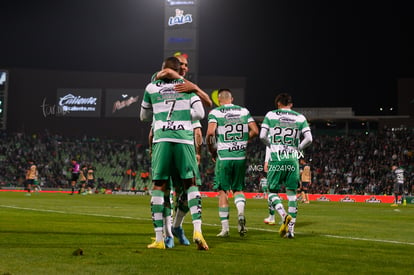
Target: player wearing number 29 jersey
[(232, 130), (232, 126)]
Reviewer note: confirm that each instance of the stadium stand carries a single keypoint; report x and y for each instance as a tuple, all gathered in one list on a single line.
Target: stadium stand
[(358, 163)]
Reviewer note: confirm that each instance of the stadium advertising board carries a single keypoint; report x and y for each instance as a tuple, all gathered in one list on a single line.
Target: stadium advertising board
[(79, 102), (123, 102)]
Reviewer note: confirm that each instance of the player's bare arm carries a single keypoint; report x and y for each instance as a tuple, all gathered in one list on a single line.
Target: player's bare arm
[(189, 86)]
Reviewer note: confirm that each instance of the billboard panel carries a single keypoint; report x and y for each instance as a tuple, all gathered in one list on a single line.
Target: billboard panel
[(182, 39), (123, 102), (181, 14), (180, 32), (79, 102)]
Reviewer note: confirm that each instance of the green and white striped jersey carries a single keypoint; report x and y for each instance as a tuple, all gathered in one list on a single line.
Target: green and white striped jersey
[(232, 130), (171, 111), (284, 129), (399, 175)]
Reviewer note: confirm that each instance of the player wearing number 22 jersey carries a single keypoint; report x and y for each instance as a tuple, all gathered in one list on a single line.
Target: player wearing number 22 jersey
[(286, 134)]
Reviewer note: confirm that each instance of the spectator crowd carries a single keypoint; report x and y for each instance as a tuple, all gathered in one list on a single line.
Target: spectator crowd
[(351, 164)]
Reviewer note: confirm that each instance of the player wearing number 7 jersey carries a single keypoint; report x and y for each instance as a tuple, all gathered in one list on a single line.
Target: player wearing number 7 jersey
[(230, 127), (286, 133), (173, 147)]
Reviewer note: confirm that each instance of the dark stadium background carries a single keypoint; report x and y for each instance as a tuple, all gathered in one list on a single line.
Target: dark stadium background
[(326, 54)]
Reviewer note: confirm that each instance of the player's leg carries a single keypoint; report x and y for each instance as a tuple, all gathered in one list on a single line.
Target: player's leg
[(161, 159), (395, 191), (221, 184), (181, 209), (157, 212), (167, 216), (28, 186), (292, 212), (237, 185), (274, 200), (270, 220), (224, 213), (291, 184), (186, 163)]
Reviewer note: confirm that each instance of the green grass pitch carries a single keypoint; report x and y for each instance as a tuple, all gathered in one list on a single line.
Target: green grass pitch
[(39, 235)]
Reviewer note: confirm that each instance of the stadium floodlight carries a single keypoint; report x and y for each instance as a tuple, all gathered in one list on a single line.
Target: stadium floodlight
[(2, 78)]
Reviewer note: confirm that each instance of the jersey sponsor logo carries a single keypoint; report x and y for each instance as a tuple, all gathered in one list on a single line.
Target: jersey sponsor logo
[(285, 113), (168, 81), (171, 127), (225, 110), (231, 117), (236, 147), (287, 120), (167, 90)]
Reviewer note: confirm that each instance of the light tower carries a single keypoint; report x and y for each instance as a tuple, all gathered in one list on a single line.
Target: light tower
[(4, 76)]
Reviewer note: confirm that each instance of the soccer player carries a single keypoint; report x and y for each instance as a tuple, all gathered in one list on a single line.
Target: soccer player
[(185, 86), (31, 176), (270, 220), (305, 179), (174, 227), (398, 176), (232, 126), (90, 177), (181, 207), (75, 170), (282, 130), (82, 179), (173, 147)]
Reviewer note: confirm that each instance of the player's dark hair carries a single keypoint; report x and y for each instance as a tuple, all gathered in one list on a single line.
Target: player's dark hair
[(284, 99), (173, 63)]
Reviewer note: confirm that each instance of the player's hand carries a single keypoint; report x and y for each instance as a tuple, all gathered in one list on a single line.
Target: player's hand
[(214, 156), (185, 87)]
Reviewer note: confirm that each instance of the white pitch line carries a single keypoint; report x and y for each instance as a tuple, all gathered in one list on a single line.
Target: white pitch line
[(72, 213), (204, 224), (365, 239)]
